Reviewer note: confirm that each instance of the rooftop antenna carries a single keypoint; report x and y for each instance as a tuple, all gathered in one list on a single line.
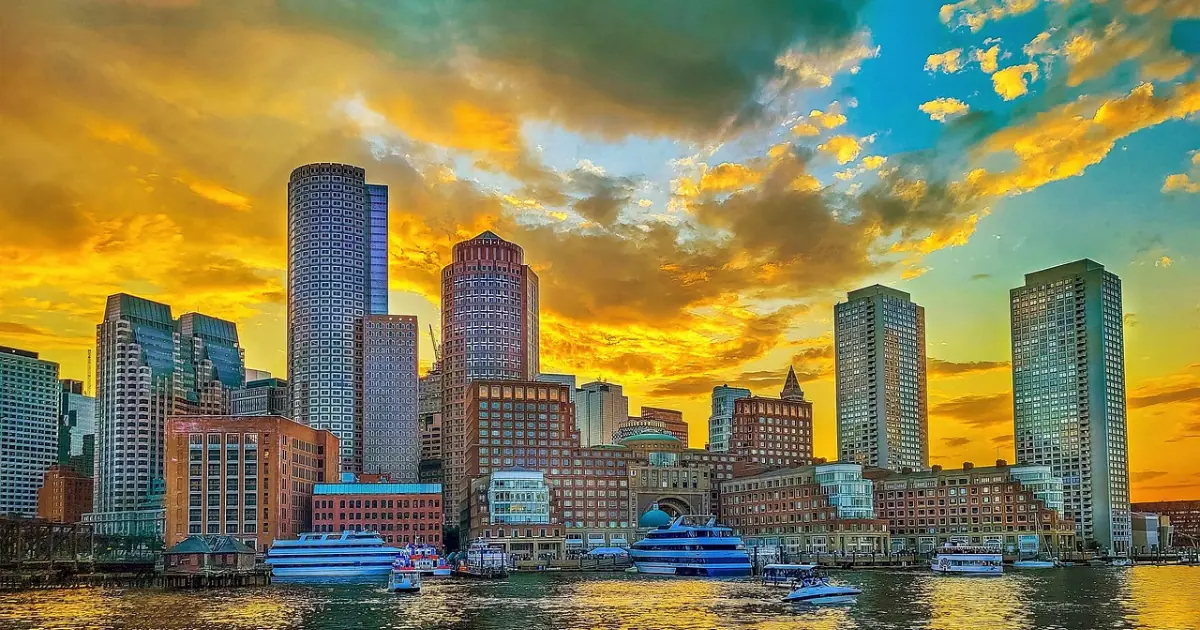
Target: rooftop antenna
[(87, 385)]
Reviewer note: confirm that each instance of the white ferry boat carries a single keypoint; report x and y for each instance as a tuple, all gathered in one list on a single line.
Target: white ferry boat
[(964, 560), (707, 550), (345, 554)]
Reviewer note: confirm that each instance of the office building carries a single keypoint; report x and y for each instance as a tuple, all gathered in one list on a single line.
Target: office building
[(390, 437), (256, 375), (671, 419), (562, 379), (263, 397), (77, 428), (337, 274), (402, 513), (150, 366), (996, 506), (1183, 517), (249, 477), (882, 404), (1152, 533), (429, 423), (29, 420), (775, 432), (599, 409), (65, 495), (1068, 370), (489, 331), (720, 423)]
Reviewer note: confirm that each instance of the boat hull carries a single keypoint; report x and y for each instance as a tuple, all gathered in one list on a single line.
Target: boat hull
[(969, 571), (1034, 564), (659, 568), (279, 573), (824, 594)]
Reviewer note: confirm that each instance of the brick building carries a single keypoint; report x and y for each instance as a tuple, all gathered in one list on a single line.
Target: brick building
[(65, 495), (671, 419), (1184, 517), (249, 477), (774, 431), (401, 513)]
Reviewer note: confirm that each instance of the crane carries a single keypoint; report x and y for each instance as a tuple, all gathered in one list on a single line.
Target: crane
[(437, 348)]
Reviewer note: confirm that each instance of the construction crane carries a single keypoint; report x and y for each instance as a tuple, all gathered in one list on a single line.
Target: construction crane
[(437, 349)]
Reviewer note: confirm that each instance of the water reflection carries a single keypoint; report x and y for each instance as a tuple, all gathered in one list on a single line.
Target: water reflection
[(1150, 598)]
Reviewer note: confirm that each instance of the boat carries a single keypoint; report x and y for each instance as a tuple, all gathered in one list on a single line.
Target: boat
[(1034, 563), (687, 549), (404, 579), (631, 570), (425, 559), (484, 560), (345, 554), (1120, 561), (965, 560), (812, 588), (785, 575)]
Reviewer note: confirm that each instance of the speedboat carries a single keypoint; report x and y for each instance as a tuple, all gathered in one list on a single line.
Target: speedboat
[(1035, 564), (1120, 561), (965, 560), (680, 548), (405, 580), (812, 588)]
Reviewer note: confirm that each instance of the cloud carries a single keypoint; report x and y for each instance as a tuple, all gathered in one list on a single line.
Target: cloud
[(975, 14), (1004, 439), (1180, 182), (988, 59), (980, 276), (872, 162), (939, 367), (1164, 262), (1130, 320), (843, 148), (955, 442), (828, 120), (948, 62), (19, 329), (942, 108), (1162, 395), (805, 129), (977, 411), (1011, 82), (728, 177), (1146, 475)]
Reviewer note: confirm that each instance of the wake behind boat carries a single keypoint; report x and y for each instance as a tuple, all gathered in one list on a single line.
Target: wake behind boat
[(683, 549)]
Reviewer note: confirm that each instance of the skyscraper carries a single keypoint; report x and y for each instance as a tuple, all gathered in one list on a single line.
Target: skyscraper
[(337, 274), (1068, 366), (774, 431), (150, 366), (489, 331), (77, 428), (29, 417), (599, 409), (720, 423), (391, 441), (882, 404), (429, 421)]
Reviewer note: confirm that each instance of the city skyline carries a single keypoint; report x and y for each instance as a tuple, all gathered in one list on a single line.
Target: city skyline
[(163, 179)]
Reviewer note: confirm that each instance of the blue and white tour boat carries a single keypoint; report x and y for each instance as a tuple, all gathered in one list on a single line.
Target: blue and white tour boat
[(683, 547), (966, 560), (345, 554)]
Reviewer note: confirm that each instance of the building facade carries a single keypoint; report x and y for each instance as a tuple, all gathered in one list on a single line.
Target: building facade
[(429, 423), (996, 506), (599, 409), (562, 379), (65, 495), (337, 274), (489, 331), (671, 419), (263, 397), (882, 402), (634, 426), (1183, 517), (402, 513), (826, 508), (29, 421), (720, 422), (1068, 368), (77, 428), (150, 366), (250, 477), (390, 436), (774, 431)]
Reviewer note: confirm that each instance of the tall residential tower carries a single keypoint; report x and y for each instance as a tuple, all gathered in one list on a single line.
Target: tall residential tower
[(720, 423), (391, 439), (29, 419), (882, 406), (1068, 366)]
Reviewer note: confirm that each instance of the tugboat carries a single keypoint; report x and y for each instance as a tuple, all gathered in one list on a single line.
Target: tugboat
[(812, 588), (404, 578)]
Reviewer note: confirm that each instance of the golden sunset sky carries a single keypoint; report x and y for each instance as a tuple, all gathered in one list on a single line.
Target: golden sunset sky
[(696, 183)]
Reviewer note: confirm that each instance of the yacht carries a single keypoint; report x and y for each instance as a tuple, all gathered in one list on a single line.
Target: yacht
[(331, 555), (964, 560), (812, 588), (680, 548)]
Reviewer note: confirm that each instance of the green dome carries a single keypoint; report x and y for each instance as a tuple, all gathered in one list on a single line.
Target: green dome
[(651, 437), (654, 517)]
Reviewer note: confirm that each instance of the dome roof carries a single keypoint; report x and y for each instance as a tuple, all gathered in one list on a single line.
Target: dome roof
[(654, 517), (650, 436)]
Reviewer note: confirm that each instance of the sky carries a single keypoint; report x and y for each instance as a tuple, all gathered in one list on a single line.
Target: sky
[(696, 183)]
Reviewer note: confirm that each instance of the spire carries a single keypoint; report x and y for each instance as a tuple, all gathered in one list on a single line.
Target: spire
[(791, 388)]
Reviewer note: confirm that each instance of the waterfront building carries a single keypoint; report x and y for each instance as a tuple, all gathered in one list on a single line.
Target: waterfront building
[(337, 274), (774, 431), (29, 427), (401, 513), (600, 409), (77, 428), (429, 424), (822, 508), (882, 404), (671, 418), (250, 477), (65, 495), (150, 366), (1068, 370), (489, 331), (1183, 517), (390, 437), (636, 425), (720, 422), (1008, 507), (562, 379), (263, 397)]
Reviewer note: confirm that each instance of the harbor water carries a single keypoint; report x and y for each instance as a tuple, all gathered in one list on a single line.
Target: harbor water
[(1145, 597)]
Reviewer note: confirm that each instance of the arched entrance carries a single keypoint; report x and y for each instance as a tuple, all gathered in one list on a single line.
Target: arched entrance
[(674, 506)]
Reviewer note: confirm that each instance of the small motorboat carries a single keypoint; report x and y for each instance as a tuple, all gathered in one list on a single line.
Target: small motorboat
[(407, 580), (813, 588), (1035, 564), (631, 570), (1120, 561)]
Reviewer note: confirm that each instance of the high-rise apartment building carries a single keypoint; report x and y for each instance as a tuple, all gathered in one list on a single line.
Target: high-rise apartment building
[(77, 428), (775, 432), (1068, 367), (720, 423), (337, 274), (391, 438), (882, 404), (150, 366), (429, 423), (29, 418), (263, 397), (489, 331), (250, 477), (599, 409), (672, 420)]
